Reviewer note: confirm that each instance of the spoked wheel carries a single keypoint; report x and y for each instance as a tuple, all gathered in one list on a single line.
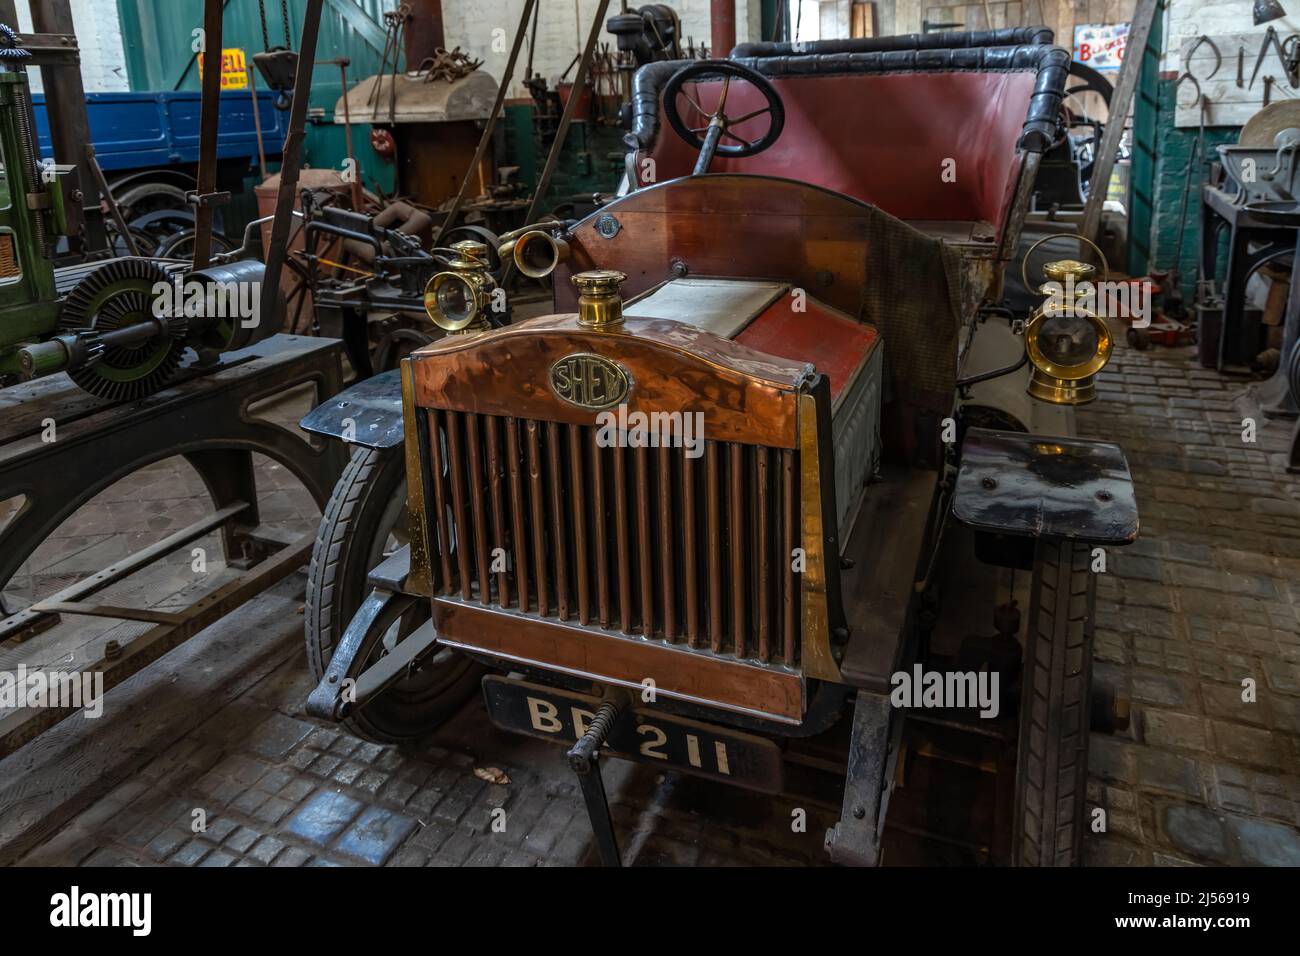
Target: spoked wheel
[(180, 245), (1055, 703), (364, 522)]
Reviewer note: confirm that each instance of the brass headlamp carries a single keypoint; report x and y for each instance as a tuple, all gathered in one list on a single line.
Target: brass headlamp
[(457, 300), (1066, 342)]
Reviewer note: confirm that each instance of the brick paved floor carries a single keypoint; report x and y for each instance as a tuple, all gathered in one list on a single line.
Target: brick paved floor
[(1204, 601), (253, 785), (1203, 608)]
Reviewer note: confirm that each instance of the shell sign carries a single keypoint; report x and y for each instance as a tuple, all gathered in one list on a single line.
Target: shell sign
[(234, 69)]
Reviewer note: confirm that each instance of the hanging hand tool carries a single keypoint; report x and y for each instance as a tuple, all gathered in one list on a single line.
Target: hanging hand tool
[(1291, 50), (1270, 38), (1241, 67), (1218, 57)]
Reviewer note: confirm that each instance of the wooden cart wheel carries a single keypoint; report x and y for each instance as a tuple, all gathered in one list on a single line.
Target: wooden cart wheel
[(1055, 705), (364, 521)]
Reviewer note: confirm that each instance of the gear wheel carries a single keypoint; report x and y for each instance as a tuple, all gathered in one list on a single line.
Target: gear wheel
[(118, 294)]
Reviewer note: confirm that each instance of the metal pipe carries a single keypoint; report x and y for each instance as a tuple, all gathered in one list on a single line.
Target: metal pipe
[(473, 442), (291, 163), (65, 106), (342, 63), (558, 522), (519, 550), (491, 124), (460, 523), (209, 124), (92, 161), (424, 32), (537, 499), (566, 118), (722, 27), (578, 508), (257, 121)]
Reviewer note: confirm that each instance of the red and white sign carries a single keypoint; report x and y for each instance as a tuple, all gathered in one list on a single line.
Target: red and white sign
[(1100, 45)]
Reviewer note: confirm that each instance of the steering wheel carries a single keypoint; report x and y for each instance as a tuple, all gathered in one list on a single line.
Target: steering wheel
[(708, 133)]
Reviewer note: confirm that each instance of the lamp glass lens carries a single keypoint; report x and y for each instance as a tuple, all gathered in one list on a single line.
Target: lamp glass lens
[(1068, 340), (455, 301)]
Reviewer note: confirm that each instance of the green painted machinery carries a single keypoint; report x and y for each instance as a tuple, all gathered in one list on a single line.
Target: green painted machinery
[(118, 327)]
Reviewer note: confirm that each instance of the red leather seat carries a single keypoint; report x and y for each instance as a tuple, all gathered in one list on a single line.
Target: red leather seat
[(882, 138)]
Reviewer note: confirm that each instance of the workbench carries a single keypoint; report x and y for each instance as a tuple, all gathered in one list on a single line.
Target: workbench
[(1230, 346), (60, 447)]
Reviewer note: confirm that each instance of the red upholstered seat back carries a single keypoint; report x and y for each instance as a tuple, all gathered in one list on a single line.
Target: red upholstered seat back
[(881, 138)]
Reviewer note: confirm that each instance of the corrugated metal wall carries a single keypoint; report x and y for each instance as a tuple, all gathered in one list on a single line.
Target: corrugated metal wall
[(157, 36)]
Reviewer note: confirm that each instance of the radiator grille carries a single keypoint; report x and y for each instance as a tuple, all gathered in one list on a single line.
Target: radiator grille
[(646, 541)]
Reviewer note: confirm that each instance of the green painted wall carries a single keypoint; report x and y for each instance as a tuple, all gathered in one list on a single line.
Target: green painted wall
[(157, 35), (1174, 149), (1141, 203), (592, 159), (1161, 158)]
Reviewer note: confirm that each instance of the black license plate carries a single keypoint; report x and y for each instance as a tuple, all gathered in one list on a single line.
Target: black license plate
[(649, 736)]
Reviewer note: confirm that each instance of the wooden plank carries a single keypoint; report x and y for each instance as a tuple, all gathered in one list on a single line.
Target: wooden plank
[(1062, 13), (17, 623), (18, 727), (907, 17), (1125, 88), (65, 770), (1227, 104), (863, 19)]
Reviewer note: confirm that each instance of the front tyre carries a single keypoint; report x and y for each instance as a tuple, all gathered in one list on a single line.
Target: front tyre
[(1055, 700), (364, 522)]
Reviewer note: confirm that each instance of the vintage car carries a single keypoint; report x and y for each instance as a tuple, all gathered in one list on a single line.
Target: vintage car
[(776, 454)]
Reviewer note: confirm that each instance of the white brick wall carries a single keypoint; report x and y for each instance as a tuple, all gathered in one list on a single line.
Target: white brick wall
[(99, 35), (472, 25), (1191, 18)]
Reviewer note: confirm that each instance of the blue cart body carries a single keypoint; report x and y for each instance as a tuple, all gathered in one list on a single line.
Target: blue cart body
[(146, 130)]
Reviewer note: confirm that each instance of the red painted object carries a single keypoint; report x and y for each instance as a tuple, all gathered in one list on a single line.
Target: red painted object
[(888, 140), (834, 344), (1162, 329), (722, 27), (583, 109)]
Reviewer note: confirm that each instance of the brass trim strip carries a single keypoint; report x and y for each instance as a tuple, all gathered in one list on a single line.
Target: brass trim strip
[(817, 659), (420, 578), (770, 692)]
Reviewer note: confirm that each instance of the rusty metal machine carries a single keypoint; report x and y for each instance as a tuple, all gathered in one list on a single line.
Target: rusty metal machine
[(726, 497), (120, 327)]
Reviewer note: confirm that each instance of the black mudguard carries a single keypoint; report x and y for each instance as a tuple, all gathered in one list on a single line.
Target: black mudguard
[(373, 406), (1032, 486)]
